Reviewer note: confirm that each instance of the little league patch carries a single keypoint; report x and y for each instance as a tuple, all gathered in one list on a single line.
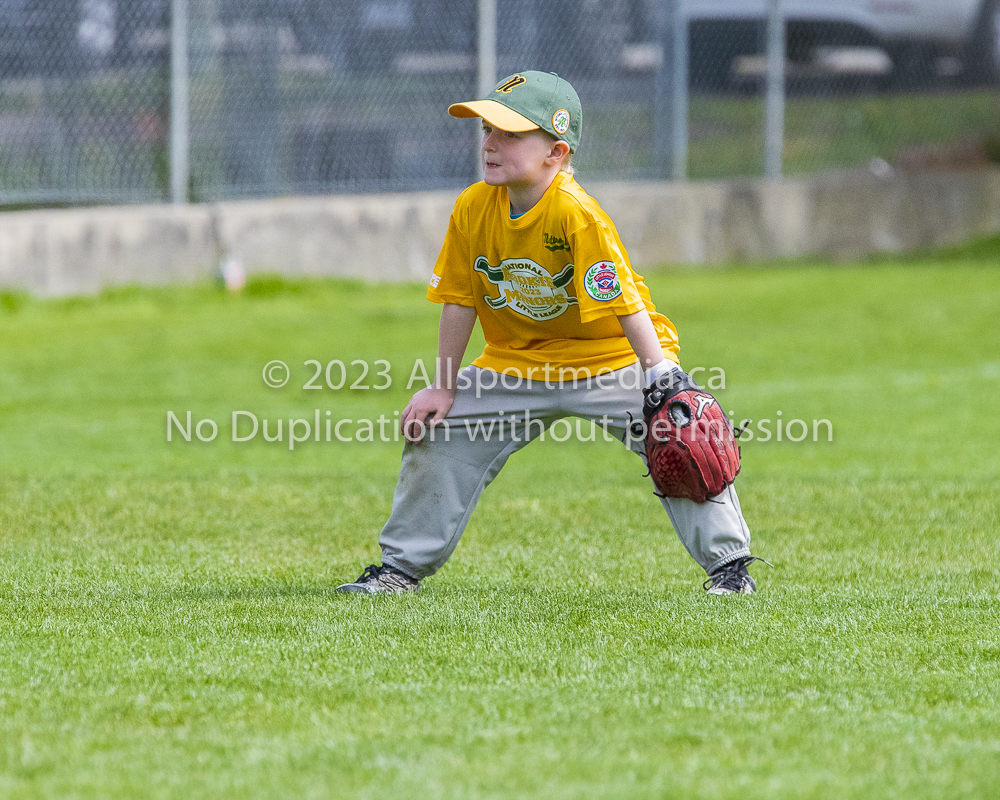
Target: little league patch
[(601, 281), (560, 121)]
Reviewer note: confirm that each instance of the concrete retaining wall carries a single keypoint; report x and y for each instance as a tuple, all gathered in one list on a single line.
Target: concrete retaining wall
[(842, 215)]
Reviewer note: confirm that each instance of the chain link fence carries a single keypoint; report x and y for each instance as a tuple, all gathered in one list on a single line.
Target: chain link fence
[(317, 96)]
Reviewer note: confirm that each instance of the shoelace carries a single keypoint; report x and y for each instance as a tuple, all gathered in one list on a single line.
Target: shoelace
[(374, 572), (730, 576), (371, 573)]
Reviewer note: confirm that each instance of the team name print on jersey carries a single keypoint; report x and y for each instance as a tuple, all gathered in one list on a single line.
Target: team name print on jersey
[(553, 243), (528, 288)]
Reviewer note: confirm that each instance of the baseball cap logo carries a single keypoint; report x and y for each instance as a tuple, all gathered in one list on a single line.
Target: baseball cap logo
[(510, 83), (560, 121)]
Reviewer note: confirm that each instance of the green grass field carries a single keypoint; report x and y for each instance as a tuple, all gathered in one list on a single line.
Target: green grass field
[(168, 626)]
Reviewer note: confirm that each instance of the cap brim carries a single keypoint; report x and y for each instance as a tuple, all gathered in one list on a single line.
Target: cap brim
[(497, 114)]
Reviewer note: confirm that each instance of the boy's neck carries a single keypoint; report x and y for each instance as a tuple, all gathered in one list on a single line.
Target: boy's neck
[(525, 198)]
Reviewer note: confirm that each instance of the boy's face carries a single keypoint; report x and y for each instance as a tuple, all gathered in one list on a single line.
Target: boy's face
[(518, 160)]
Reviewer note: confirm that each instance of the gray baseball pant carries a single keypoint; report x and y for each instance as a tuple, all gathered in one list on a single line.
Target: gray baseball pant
[(441, 479)]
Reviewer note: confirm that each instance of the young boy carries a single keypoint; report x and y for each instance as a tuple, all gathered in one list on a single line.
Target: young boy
[(567, 324)]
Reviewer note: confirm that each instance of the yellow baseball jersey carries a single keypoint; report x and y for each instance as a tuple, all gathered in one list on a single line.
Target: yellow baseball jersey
[(547, 286)]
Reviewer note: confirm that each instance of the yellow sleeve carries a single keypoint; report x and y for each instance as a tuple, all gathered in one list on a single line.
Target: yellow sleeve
[(452, 278), (602, 275)]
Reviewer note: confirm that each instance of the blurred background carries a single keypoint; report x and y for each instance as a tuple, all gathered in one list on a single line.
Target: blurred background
[(121, 101)]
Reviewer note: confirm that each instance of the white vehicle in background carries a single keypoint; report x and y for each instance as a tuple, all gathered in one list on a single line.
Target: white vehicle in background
[(921, 38)]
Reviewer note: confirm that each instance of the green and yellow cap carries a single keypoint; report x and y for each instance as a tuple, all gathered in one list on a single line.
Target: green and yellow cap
[(529, 100)]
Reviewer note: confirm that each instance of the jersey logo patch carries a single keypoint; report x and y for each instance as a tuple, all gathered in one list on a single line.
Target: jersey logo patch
[(435, 280), (516, 80), (528, 288), (601, 281)]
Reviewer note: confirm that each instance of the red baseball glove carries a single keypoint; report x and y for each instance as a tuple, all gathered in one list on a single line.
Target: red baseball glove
[(690, 443)]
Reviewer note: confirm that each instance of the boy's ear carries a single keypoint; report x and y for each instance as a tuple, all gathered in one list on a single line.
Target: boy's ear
[(558, 152)]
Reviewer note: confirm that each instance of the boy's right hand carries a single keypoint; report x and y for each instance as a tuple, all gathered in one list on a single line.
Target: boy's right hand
[(429, 402)]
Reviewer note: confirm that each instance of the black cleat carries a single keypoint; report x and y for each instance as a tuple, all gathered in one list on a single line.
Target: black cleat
[(381, 580), (733, 578)]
